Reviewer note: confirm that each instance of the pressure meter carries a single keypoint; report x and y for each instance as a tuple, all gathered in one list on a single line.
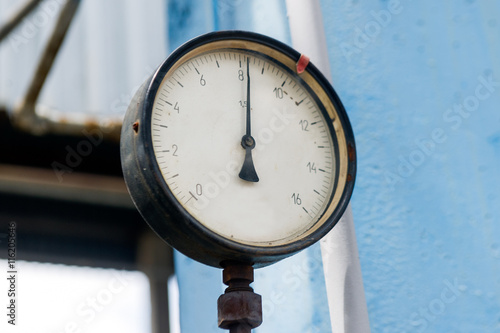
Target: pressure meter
[(238, 149)]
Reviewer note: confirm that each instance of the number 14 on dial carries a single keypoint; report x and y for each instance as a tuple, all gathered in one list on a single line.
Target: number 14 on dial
[(251, 139), (237, 148)]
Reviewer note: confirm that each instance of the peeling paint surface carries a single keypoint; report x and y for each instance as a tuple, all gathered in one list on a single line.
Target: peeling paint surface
[(421, 83)]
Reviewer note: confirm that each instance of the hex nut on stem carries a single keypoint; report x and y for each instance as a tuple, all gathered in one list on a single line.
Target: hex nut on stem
[(239, 307)]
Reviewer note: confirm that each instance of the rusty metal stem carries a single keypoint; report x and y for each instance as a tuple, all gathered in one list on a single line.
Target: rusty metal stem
[(239, 308), (50, 53), (240, 328), (17, 18)]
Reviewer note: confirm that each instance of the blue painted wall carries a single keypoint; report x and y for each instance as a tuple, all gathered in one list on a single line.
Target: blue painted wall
[(421, 83), (293, 291)]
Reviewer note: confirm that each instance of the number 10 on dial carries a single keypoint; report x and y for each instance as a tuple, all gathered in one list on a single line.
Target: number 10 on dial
[(233, 151)]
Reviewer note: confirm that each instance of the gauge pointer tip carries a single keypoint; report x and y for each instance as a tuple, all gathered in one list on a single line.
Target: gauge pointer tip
[(248, 172)]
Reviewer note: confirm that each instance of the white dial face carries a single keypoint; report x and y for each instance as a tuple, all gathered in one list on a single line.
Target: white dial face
[(203, 133)]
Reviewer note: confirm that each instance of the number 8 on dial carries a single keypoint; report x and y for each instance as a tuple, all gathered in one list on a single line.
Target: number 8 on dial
[(237, 148)]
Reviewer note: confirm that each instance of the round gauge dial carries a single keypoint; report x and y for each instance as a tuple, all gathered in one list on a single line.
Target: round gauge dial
[(232, 152)]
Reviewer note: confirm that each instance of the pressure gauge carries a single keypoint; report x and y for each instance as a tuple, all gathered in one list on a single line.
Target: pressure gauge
[(237, 148)]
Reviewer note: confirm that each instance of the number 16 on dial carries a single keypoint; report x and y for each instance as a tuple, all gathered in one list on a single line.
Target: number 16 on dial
[(238, 149)]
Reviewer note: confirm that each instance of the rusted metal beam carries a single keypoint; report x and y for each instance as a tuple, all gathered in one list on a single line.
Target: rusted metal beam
[(17, 18), (25, 116), (155, 259), (85, 188)]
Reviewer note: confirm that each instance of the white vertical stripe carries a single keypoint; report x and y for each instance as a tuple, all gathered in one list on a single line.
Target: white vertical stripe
[(344, 285)]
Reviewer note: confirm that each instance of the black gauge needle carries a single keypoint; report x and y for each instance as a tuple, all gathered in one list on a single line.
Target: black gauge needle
[(248, 172)]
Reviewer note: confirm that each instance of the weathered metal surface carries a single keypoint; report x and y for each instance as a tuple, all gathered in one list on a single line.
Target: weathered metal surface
[(25, 116)]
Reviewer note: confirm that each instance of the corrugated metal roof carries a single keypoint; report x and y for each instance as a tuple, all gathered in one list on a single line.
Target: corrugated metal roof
[(111, 47)]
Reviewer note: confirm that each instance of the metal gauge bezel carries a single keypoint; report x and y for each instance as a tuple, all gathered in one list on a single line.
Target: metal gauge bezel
[(159, 206)]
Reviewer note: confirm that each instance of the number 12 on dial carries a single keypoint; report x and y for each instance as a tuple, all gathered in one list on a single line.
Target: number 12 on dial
[(238, 155)]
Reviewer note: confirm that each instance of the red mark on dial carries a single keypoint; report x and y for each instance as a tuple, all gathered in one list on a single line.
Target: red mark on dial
[(302, 63)]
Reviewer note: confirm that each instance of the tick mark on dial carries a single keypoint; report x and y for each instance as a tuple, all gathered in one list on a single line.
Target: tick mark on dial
[(306, 211), (179, 83), (319, 194), (192, 197), (298, 103)]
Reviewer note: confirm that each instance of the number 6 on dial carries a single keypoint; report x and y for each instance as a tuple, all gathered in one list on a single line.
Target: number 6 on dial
[(257, 164)]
